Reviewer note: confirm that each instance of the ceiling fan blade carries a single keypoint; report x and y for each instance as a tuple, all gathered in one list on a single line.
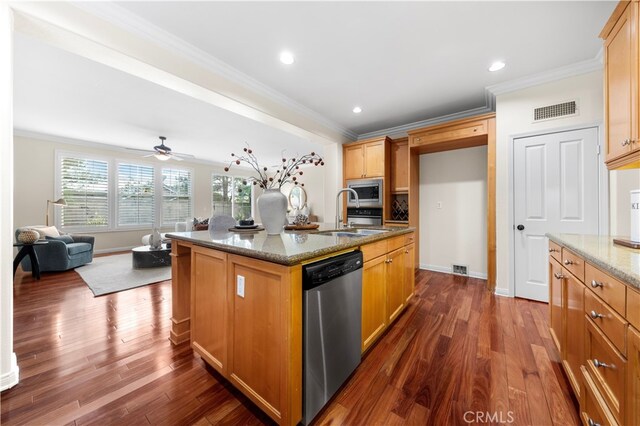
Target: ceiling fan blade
[(175, 157), (148, 155), (183, 155)]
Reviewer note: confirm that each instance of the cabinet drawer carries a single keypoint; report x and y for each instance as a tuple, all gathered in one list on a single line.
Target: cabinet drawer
[(606, 367), (573, 263), (373, 250), (395, 243), (593, 410), (409, 238), (448, 133), (555, 251), (612, 291), (612, 325)]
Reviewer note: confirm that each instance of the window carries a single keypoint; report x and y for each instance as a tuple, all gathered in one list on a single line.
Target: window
[(84, 185), (231, 197), (136, 204), (176, 196)]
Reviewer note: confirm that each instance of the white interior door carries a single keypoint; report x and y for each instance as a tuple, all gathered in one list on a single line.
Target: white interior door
[(555, 190)]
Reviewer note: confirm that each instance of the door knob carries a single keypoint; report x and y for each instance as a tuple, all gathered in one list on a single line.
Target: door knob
[(520, 227)]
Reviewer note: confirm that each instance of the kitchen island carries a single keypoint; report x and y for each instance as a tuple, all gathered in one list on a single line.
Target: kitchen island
[(237, 297)]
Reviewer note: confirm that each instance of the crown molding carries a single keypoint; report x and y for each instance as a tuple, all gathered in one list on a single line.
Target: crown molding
[(121, 17), (567, 71), (23, 133)]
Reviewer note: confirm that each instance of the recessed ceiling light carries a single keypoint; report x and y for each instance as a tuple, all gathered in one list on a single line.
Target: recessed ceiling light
[(357, 110), (496, 66), (287, 58)]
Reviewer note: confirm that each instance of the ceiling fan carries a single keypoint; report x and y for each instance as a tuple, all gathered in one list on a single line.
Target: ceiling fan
[(163, 153)]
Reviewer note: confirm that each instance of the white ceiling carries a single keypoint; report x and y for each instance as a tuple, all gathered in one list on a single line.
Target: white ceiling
[(400, 61), (62, 94)]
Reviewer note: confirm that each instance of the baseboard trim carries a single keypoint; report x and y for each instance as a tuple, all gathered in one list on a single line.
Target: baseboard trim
[(448, 270), (504, 292), (113, 250), (10, 378)]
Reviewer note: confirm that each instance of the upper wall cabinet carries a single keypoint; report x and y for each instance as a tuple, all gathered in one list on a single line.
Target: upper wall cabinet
[(365, 159), (621, 87), (400, 166)]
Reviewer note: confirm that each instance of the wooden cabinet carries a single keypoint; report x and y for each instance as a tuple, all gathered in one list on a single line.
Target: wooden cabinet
[(400, 166), (633, 377), (621, 86), (209, 306), (388, 281), (600, 350), (365, 159), (395, 283), (556, 284), (374, 300), (409, 271)]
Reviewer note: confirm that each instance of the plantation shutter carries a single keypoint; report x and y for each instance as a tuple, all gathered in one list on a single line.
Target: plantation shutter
[(136, 205), (176, 196), (84, 185)]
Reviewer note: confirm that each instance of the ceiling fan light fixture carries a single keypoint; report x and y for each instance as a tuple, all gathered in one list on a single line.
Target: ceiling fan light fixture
[(162, 157)]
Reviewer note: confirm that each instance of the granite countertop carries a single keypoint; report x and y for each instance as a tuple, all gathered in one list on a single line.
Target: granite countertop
[(289, 247), (620, 262)]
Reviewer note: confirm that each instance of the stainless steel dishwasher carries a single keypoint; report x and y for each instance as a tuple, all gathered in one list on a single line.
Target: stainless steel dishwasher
[(332, 310)]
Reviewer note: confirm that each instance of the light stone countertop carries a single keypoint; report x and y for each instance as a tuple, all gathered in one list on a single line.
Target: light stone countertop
[(288, 248), (620, 262)]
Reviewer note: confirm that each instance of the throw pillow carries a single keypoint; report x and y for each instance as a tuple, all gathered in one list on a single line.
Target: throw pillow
[(48, 231), (67, 239)]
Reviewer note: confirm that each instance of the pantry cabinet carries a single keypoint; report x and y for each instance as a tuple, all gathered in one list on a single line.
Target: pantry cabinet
[(621, 87)]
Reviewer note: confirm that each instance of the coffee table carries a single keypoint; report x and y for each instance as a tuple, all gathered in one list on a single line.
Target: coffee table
[(146, 257)]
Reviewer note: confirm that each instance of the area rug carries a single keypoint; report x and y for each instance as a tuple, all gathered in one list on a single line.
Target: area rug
[(110, 274)]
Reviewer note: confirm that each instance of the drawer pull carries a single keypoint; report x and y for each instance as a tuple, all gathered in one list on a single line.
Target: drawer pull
[(599, 364), (592, 423), (596, 315), (552, 250), (558, 276), (570, 262), (596, 284)]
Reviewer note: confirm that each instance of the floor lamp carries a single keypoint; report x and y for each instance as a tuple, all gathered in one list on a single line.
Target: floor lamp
[(58, 202)]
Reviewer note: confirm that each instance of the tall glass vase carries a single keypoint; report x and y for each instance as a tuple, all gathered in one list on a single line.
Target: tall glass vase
[(272, 206)]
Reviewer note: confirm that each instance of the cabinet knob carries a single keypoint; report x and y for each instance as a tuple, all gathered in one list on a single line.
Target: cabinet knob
[(592, 423), (570, 262), (599, 364), (596, 284), (552, 250), (625, 142), (596, 315), (558, 276)]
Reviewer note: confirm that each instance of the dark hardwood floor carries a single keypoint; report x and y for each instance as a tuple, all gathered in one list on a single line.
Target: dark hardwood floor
[(458, 355)]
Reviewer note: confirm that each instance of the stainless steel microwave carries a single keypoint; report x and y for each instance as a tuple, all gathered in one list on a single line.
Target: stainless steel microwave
[(369, 192)]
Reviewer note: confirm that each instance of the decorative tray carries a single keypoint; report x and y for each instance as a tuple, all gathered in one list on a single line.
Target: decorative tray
[(302, 227), (245, 230)]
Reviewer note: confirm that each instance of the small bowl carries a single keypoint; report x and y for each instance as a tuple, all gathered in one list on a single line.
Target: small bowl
[(245, 222)]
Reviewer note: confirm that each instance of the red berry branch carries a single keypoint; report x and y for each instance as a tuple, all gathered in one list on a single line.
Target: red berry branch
[(288, 171)]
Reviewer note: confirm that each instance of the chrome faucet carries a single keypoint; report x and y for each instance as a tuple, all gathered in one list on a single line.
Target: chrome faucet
[(338, 219)]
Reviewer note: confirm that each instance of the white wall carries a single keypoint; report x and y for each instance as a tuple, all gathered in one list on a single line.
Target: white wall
[(514, 117), (456, 233), (620, 183)]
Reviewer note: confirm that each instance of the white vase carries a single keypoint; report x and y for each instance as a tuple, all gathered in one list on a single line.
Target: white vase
[(155, 240), (272, 206), (635, 216)]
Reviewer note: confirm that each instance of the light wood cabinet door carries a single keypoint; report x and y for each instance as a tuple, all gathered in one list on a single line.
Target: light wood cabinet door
[(395, 283), (400, 167), (621, 84), (574, 346), (556, 284), (354, 162), (374, 159), (209, 306), (409, 275), (374, 300), (633, 377)]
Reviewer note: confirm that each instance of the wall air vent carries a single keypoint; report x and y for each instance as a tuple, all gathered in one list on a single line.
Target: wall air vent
[(459, 270), (551, 112)]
